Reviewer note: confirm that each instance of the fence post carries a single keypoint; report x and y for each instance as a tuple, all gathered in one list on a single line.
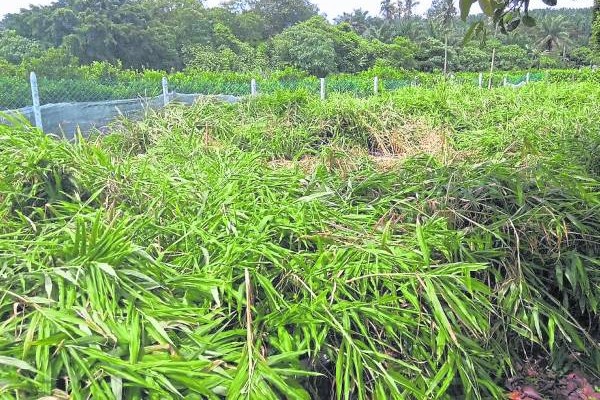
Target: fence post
[(446, 56), (323, 89), (481, 80), (35, 96), (505, 82), (253, 90), (492, 69), (528, 77), (376, 85), (165, 89)]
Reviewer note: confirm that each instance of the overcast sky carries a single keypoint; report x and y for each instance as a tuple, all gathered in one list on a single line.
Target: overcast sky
[(331, 7)]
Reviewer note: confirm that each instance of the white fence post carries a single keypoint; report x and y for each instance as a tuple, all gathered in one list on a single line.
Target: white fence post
[(481, 80), (446, 56), (491, 81), (505, 83), (165, 89), (253, 90), (528, 78), (376, 85), (323, 89), (35, 96)]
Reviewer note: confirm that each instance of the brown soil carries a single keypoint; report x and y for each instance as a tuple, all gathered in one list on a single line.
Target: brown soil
[(535, 380)]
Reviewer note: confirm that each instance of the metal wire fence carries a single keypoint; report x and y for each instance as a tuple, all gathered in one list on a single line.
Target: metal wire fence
[(15, 93), (85, 102)]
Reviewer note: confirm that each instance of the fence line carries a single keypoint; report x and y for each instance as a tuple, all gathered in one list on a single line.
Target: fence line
[(16, 93), (163, 94)]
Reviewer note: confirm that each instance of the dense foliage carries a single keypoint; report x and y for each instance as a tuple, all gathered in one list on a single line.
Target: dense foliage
[(435, 242), (595, 40), (261, 35), (424, 244)]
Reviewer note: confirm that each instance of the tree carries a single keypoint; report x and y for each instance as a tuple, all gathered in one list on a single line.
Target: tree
[(442, 11), (472, 58), (432, 55), (401, 53), (353, 52), (277, 15), (409, 7), (105, 30), (384, 32), (189, 22), (511, 57), (388, 9), (320, 48), (239, 36), (553, 34), (595, 39), (247, 26), (583, 56), (359, 20), (507, 15), (413, 28), (399, 9), (53, 63), (306, 46), (14, 48)]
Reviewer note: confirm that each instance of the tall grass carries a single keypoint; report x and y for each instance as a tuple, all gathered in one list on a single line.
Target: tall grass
[(175, 259)]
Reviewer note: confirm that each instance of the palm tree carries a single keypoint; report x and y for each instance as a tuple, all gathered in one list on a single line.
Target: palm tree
[(359, 20), (388, 9), (553, 34), (413, 28), (383, 32), (409, 7), (442, 11), (399, 8)]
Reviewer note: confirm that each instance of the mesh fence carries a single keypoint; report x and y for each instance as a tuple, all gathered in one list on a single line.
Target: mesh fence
[(516, 80), (14, 93), (67, 104), (72, 91)]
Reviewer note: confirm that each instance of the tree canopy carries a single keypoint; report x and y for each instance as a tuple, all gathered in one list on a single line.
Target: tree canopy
[(267, 34), (595, 39)]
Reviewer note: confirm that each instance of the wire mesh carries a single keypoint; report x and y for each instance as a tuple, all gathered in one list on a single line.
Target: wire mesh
[(391, 85), (354, 86), (71, 104), (15, 92), (217, 86), (74, 90)]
